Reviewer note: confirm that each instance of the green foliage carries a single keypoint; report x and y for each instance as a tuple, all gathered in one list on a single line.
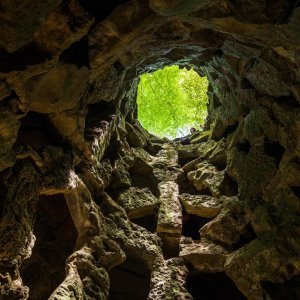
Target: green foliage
[(171, 101)]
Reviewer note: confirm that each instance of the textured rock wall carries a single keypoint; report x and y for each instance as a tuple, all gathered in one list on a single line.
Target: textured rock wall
[(83, 184)]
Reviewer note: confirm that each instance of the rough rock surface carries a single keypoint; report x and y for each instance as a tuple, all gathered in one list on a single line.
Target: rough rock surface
[(83, 184), (201, 205), (138, 202), (168, 280), (204, 256)]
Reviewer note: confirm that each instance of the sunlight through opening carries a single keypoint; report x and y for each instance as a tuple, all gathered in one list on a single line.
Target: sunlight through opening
[(172, 101)]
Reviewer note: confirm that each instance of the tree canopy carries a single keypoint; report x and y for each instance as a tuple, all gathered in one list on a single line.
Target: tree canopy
[(171, 101)]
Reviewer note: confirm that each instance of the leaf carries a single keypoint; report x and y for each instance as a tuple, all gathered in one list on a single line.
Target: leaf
[(171, 101)]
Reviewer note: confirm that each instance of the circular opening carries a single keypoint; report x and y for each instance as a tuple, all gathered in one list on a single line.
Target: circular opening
[(172, 101)]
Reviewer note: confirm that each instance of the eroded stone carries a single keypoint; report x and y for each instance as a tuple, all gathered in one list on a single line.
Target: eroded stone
[(138, 202), (204, 256), (168, 280), (170, 214), (202, 205), (227, 227)]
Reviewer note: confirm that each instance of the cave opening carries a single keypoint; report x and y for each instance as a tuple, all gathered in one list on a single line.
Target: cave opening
[(172, 102), (284, 290), (129, 281), (191, 225), (55, 239), (212, 286), (148, 222), (36, 130)]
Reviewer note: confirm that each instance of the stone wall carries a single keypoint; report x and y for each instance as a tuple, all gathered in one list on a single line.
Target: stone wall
[(82, 183)]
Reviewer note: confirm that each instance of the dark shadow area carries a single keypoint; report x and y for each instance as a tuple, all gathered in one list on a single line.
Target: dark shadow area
[(288, 101), (184, 140), (142, 176), (77, 54), (98, 113), (129, 281), (1, 205), (216, 286), (246, 84), (204, 192), (290, 6), (184, 160), (271, 12), (187, 187), (154, 147), (3, 191), (289, 290), (245, 238), (147, 222), (170, 244), (245, 147), (221, 166), (275, 150), (55, 239), (231, 128), (191, 225), (37, 131), (21, 58), (112, 151), (100, 9), (229, 187), (296, 190), (215, 101), (98, 122), (219, 163)]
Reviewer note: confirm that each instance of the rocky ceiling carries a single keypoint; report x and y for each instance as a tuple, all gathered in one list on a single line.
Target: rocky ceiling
[(94, 207)]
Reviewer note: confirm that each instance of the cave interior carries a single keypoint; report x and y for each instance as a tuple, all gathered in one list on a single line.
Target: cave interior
[(93, 206)]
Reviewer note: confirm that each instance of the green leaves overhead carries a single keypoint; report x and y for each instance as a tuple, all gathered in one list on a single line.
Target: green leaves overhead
[(171, 101)]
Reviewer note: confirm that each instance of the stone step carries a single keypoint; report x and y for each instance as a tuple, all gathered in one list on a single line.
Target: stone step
[(204, 256), (201, 205), (170, 211)]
